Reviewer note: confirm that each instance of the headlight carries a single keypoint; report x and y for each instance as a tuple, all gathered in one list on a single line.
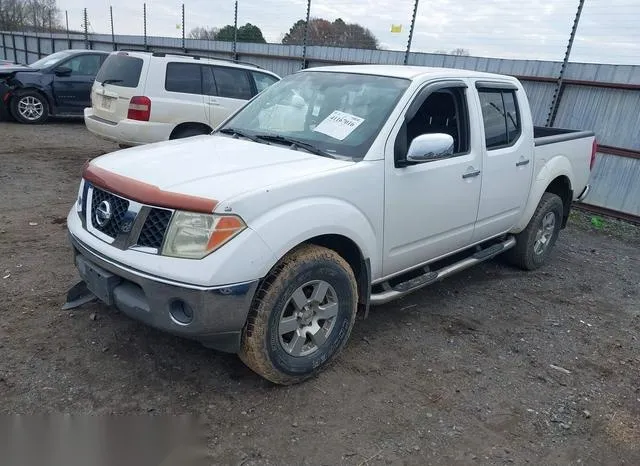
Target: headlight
[(79, 200), (193, 236)]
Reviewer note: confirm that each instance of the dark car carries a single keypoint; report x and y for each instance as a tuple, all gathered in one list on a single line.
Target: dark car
[(58, 84)]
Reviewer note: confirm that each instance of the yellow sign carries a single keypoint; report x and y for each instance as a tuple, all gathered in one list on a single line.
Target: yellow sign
[(396, 28)]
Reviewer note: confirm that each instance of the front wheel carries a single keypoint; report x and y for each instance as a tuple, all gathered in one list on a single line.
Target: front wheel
[(302, 316), (535, 242), (30, 107)]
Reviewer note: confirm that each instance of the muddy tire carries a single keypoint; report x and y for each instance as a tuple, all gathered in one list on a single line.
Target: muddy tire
[(30, 107), (302, 316), (536, 241)]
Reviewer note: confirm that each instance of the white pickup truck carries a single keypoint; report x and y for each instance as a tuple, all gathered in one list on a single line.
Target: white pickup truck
[(334, 189)]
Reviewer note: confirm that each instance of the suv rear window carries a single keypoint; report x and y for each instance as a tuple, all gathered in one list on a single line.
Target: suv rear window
[(121, 70)]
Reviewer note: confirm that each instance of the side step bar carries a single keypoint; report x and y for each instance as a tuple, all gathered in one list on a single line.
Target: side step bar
[(404, 288)]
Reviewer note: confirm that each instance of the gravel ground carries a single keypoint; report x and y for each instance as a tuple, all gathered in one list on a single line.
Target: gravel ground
[(493, 366)]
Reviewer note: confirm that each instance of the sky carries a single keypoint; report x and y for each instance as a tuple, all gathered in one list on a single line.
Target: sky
[(608, 32)]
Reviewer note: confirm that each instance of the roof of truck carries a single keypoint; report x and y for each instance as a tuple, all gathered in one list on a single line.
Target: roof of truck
[(409, 72)]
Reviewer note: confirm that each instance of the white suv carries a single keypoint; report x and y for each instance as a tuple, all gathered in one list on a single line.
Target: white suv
[(143, 97)]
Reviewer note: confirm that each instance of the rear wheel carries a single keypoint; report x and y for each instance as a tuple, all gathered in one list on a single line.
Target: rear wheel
[(302, 316), (534, 243), (30, 107)]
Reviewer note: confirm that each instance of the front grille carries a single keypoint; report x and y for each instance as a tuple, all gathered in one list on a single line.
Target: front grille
[(119, 208), (154, 228)]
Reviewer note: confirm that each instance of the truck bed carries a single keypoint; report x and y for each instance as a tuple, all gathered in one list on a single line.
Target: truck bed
[(543, 135)]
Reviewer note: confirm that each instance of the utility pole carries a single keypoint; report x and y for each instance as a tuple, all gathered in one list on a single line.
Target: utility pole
[(305, 38), (235, 32), (413, 24), (557, 95)]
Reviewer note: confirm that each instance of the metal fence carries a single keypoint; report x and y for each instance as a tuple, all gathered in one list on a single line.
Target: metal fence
[(600, 97)]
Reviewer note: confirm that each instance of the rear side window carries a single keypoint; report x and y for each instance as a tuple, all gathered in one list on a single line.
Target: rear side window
[(183, 77), (121, 70), (263, 80), (500, 116), (232, 83)]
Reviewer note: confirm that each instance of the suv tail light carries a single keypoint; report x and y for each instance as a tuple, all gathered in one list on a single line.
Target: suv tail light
[(594, 149), (139, 108)]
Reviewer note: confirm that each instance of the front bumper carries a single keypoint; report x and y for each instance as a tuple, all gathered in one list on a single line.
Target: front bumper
[(213, 316)]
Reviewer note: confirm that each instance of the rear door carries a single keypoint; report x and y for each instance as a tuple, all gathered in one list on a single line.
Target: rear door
[(508, 155), (233, 88), (182, 99), (120, 78), (72, 90)]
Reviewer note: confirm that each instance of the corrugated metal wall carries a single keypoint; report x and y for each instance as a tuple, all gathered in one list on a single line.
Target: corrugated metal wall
[(611, 107)]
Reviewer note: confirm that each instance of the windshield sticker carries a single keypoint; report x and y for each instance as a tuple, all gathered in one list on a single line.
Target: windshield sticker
[(339, 125)]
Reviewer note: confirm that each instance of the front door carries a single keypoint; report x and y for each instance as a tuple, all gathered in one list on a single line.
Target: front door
[(73, 80), (431, 208)]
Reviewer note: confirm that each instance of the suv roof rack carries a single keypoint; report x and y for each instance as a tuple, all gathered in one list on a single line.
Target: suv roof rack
[(198, 57)]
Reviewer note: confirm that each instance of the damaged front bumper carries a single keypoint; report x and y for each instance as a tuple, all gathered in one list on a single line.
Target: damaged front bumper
[(213, 316)]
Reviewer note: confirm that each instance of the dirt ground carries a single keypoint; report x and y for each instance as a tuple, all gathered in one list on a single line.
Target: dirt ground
[(493, 366)]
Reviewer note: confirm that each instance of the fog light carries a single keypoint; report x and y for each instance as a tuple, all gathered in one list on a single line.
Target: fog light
[(180, 312)]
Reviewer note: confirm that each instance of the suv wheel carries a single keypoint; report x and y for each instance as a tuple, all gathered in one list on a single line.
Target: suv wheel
[(302, 316), (30, 107)]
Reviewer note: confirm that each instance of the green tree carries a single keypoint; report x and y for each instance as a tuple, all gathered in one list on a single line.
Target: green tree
[(247, 33), (336, 34)]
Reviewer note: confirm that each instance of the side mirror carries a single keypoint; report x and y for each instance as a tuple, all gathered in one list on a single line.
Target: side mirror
[(63, 71), (428, 147)]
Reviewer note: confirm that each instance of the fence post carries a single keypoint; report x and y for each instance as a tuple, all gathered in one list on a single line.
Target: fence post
[(184, 43), (4, 46), (557, 95), (144, 19), (305, 38), (235, 32), (66, 17), (113, 36), (38, 48), (15, 52), (413, 24), (86, 30)]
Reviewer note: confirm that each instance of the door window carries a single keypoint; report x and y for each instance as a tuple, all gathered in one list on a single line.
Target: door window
[(500, 116), (443, 111), (84, 65), (185, 78), (263, 80), (232, 83)]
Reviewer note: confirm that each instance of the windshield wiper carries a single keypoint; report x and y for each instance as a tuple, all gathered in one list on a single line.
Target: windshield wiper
[(295, 143), (111, 81), (237, 133)]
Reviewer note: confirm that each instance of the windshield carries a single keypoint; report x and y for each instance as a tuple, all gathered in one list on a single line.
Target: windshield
[(337, 113), (50, 60)]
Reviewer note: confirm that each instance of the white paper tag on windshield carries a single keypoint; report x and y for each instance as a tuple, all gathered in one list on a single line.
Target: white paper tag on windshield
[(339, 125)]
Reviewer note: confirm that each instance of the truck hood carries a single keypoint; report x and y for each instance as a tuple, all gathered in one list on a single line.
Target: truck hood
[(214, 167)]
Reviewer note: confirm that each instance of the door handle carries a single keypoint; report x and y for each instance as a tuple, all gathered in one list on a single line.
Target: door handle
[(471, 174), (522, 163)]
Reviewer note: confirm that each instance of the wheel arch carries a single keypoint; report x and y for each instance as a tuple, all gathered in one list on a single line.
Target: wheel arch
[(561, 186), (554, 177), (188, 125)]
